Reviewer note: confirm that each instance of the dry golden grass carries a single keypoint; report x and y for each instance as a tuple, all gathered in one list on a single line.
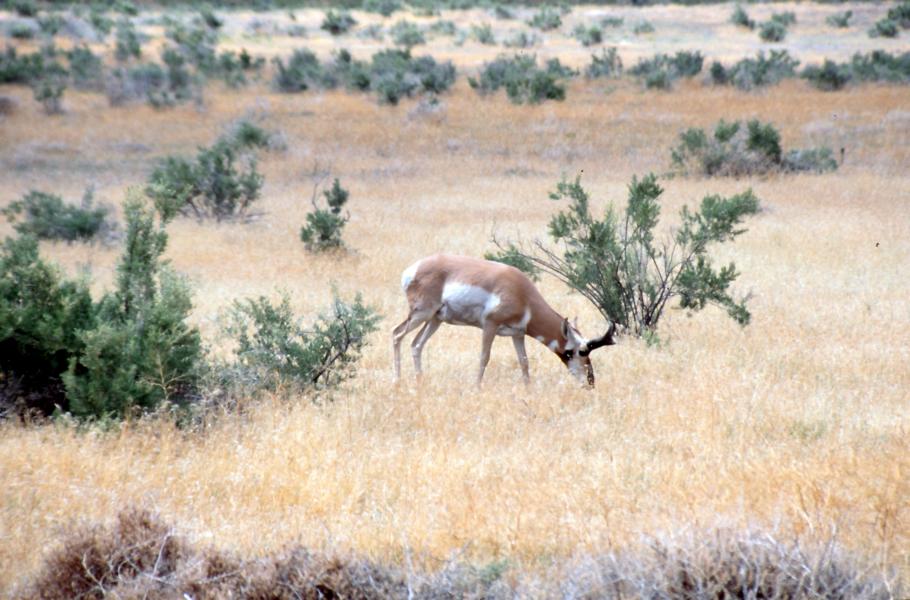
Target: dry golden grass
[(798, 422)]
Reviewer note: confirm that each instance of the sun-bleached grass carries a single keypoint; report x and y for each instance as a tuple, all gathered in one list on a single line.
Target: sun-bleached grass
[(797, 423)]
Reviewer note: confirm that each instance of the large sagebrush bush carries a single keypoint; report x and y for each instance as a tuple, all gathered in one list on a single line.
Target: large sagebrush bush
[(751, 73), (523, 80), (47, 216), (221, 183)]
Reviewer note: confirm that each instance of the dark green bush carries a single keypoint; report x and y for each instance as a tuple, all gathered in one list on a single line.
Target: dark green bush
[(607, 64), (86, 68), (522, 79), (302, 72), (406, 34), (617, 264), (643, 27), (772, 31), (503, 12), (100, 21), (588, 36), (41, 317), (884, 28), (522, 39), (879, 65), (840, 20), (741, 18), (24, 8), (127, 45), (160, 87), (141, 352), (443, 27), (395, 74), (612, 22), (21, 31), (212, 187), (815, 160), (829, 77), (383, 7), (785, 18), (337, 23), (49, 85), (274, 352), (483, 34), (661, 70), (546, 19), (47, 217), (209, 18), (900, 14), (751, 73), (324, 225), (15, 68), (734, 150), (51, 24)]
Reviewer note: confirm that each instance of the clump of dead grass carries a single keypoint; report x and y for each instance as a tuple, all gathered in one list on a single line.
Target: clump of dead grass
[(140, 556)]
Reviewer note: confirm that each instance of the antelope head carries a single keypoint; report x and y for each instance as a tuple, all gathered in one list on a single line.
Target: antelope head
[(576, 351)]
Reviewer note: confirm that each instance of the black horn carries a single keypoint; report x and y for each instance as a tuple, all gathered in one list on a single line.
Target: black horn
[(604, 340)]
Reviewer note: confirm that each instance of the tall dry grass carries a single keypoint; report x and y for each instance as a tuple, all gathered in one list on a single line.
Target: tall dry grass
[(797, 423)]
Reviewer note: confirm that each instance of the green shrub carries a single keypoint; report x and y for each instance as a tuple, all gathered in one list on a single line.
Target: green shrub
[(160, 87), (751, 73), (829, 77), (734, 150), (522, 39), (511, 255), (588, 36), (772, 31), (337, 23), (879, 65), (47, 217), (900, 14), (383, 7), (302, 72), (483, 34), (127, 45), (50, 25), (100, 21), (25, 8), (21, 31), (815, 160), (840, 20), (617, 264), (884, 28), (86, 69), (612, 22), (395, 74), (212, 187), (522, 79), (608, 64), (324, 225), (275, 352), (20, 69), (785, 18), (49, 86), (545, 19), (209, 18), (41, 317), (503, 12), (741, 18), (443, 27), (406, 34), (661, 70), (643, 27), (141, 352)]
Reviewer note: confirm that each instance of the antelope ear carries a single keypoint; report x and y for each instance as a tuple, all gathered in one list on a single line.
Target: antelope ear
[(565, 328)]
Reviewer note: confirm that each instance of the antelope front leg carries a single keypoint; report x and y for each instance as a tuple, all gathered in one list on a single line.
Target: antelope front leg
[(489, 333), (519, 342)]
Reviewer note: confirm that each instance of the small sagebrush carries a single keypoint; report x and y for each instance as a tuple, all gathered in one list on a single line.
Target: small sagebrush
[(48, 217), (324, 226)]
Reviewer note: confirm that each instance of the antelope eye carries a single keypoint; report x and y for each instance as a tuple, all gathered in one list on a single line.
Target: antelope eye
[(567, 354)]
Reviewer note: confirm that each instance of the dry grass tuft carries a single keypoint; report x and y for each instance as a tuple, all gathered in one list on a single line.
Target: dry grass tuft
[(141, 557)]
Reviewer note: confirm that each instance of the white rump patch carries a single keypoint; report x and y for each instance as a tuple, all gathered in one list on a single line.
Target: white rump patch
[(407, 276)]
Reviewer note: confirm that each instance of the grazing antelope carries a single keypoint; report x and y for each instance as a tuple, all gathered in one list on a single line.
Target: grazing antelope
[(498, 299)]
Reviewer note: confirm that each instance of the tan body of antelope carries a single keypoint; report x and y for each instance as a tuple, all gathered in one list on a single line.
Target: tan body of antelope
[(498, 299)]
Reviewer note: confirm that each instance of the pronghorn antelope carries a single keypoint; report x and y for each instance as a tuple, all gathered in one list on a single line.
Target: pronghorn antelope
[(498, 299)]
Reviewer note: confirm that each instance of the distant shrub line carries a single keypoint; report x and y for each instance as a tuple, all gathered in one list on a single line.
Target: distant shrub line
[(140, 555)]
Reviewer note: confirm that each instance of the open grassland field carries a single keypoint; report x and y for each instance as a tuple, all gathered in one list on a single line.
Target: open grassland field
[(798, 424)]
